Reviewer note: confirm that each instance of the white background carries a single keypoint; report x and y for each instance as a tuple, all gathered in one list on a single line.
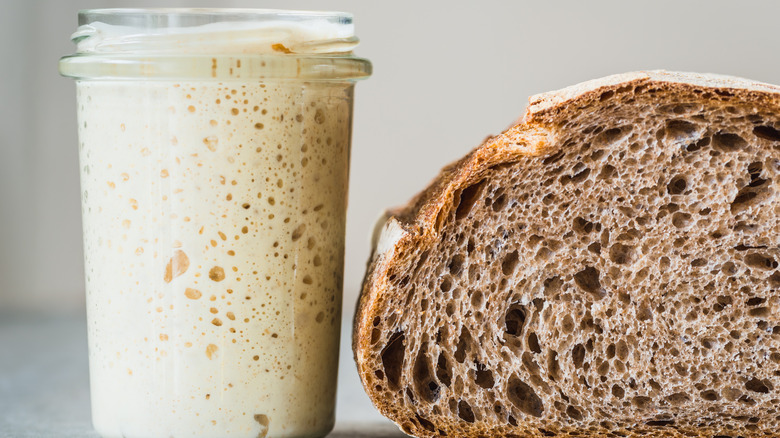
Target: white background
[(447, 74)]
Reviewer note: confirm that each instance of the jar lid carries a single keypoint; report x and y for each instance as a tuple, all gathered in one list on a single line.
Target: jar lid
[(220, 44)]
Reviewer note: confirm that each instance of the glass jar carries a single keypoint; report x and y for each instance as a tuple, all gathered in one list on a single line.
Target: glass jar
[(214, 149)]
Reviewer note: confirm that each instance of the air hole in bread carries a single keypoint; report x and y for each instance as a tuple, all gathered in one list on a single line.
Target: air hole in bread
[(446, 284), (761, 261), (611, 136), (758, 385), (596, 155), (681, 220), (642, 402), (523, 397), (425, 424), (553, 158), (727, 142), (470, 246), (747, 400), (510, 263), (552, 285), (743, 226), (710, 395), (574, 413), (618, 391), (529, 364), (476, 299), (724, 300), (774, 280), (698, 263), (456, 264), (467, 198), (443, 370), (611, 351), (758, 182), (393, 359), (678, 398), (680, 129), (567, 324), (608, 171), (553, 368), (474, 273), (464, 344), (514, 320), (410, 396), (760, 312), (755, 169), (450, 308), (603, 369), (441, 334), (499, 203), (644, 313), (546, 432), (677, 185), (767, 133), (575, 178), (483, 377), (533, 343), (660, 423), (582, 226), (578, 355), (745, 198), (703, 142), (589, 345), (424, 384), (621, 254), (588, 281), (622, 350), (421, 261), (465, 412)]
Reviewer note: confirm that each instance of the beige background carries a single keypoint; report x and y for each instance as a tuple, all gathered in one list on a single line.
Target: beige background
[(447, 73)]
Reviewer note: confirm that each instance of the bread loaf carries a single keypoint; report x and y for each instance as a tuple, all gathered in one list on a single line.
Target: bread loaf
[(607, 267)]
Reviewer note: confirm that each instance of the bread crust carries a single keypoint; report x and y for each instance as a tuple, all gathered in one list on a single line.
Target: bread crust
[(415, 224)]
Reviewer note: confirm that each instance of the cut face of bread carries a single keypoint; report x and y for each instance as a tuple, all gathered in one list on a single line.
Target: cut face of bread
[(609, 266)]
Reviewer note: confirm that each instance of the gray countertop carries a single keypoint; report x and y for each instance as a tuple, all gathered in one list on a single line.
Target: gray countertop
[(44, 388)]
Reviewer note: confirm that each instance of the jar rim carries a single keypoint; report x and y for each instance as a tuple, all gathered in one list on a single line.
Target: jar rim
[(216, 68), (152, 15), (167, 43)]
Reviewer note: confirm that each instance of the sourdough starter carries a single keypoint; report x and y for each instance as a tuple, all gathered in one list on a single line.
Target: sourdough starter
[(213, 218)]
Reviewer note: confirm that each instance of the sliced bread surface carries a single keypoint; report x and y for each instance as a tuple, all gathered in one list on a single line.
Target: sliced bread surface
[(606, 267)]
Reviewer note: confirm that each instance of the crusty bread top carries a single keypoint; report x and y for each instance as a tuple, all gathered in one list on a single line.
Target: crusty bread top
[(549, 121), (540, 103), (531, 133)]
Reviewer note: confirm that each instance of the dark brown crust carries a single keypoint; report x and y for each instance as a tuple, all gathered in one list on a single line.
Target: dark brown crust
[(530, 137)]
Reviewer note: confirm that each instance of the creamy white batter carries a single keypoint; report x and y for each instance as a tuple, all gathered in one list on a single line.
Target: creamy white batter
[(214, 214)]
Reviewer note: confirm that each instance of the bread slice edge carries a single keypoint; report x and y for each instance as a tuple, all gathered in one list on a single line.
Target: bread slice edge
[(416, 223)]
